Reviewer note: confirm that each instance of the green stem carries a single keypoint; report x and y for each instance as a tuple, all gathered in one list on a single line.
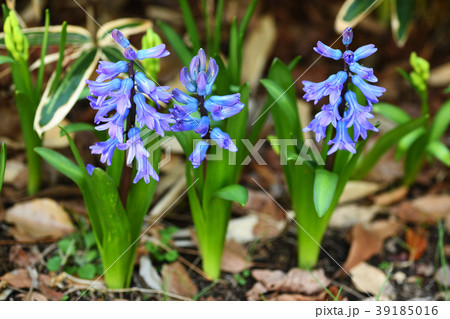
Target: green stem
[(31, 140)]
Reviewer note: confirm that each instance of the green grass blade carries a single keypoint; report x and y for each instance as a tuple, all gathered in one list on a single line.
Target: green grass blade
[(40, 78), (217, 27), (62, 47), (190, 24), (177, 43)]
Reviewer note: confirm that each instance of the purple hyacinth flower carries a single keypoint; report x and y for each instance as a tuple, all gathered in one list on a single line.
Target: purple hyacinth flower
[(347, 36), (331, 86), (147, 115), (103, 88), (114, 125), (223, 140), (211, 74), (151, 90), (222, 107), (199, 153), (201, 83), (199, 79), (349, 57), (342, 140), (120, 39), (186, 80), (363, 72), (326, 51), (106, 149), (328, 115), (371, 92), (364, 51), (109, 70), (122, 96), (203, 126), (182, 111), (90, 169), (137, 151), (183, 98), (185, 124), (156, 52), (357, 116), (129, 54)]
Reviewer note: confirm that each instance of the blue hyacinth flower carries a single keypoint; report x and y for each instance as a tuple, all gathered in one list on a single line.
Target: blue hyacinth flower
[(114, 100), (344, 113), (199, 153), (199, 80)]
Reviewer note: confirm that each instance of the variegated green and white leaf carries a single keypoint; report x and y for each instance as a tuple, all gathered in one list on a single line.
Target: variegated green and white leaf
[(52, 109), (128, 26), (352, 12), (402, 12), (75, 35), (112, 53)]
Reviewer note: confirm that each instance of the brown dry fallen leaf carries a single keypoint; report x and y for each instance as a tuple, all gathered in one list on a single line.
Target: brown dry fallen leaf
[(256, 291), (296, 280), (39, 218), (392, 196), (368, 278), (177, 280), (426, 209), (355, 190), (234, 258), (368, 241), (18, 278), (21, 257), (417, 243)]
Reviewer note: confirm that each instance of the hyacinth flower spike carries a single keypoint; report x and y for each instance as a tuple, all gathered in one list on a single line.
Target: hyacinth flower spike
[(122, 107), (343, 111), (198, 80)]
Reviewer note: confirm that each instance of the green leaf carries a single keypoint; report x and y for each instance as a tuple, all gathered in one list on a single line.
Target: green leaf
[(40, 77), (351, 12), (78, 127), (75, 35), (217, 27), (171, 255), (2, 163), (54, 263), (406, 141), (53, 108), (325, 183), (414, 159), (91, 256), (61, 163), (112, 53), (235, 192), (233, 55), (6, 59), (62, 47), (284, 111), (402, 13), (441, 122), (67, 246), (246, 20), (190, 24), (89, 240), (439, 151), (87, 271), (392, 112), (386, 142), (177, 43)]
